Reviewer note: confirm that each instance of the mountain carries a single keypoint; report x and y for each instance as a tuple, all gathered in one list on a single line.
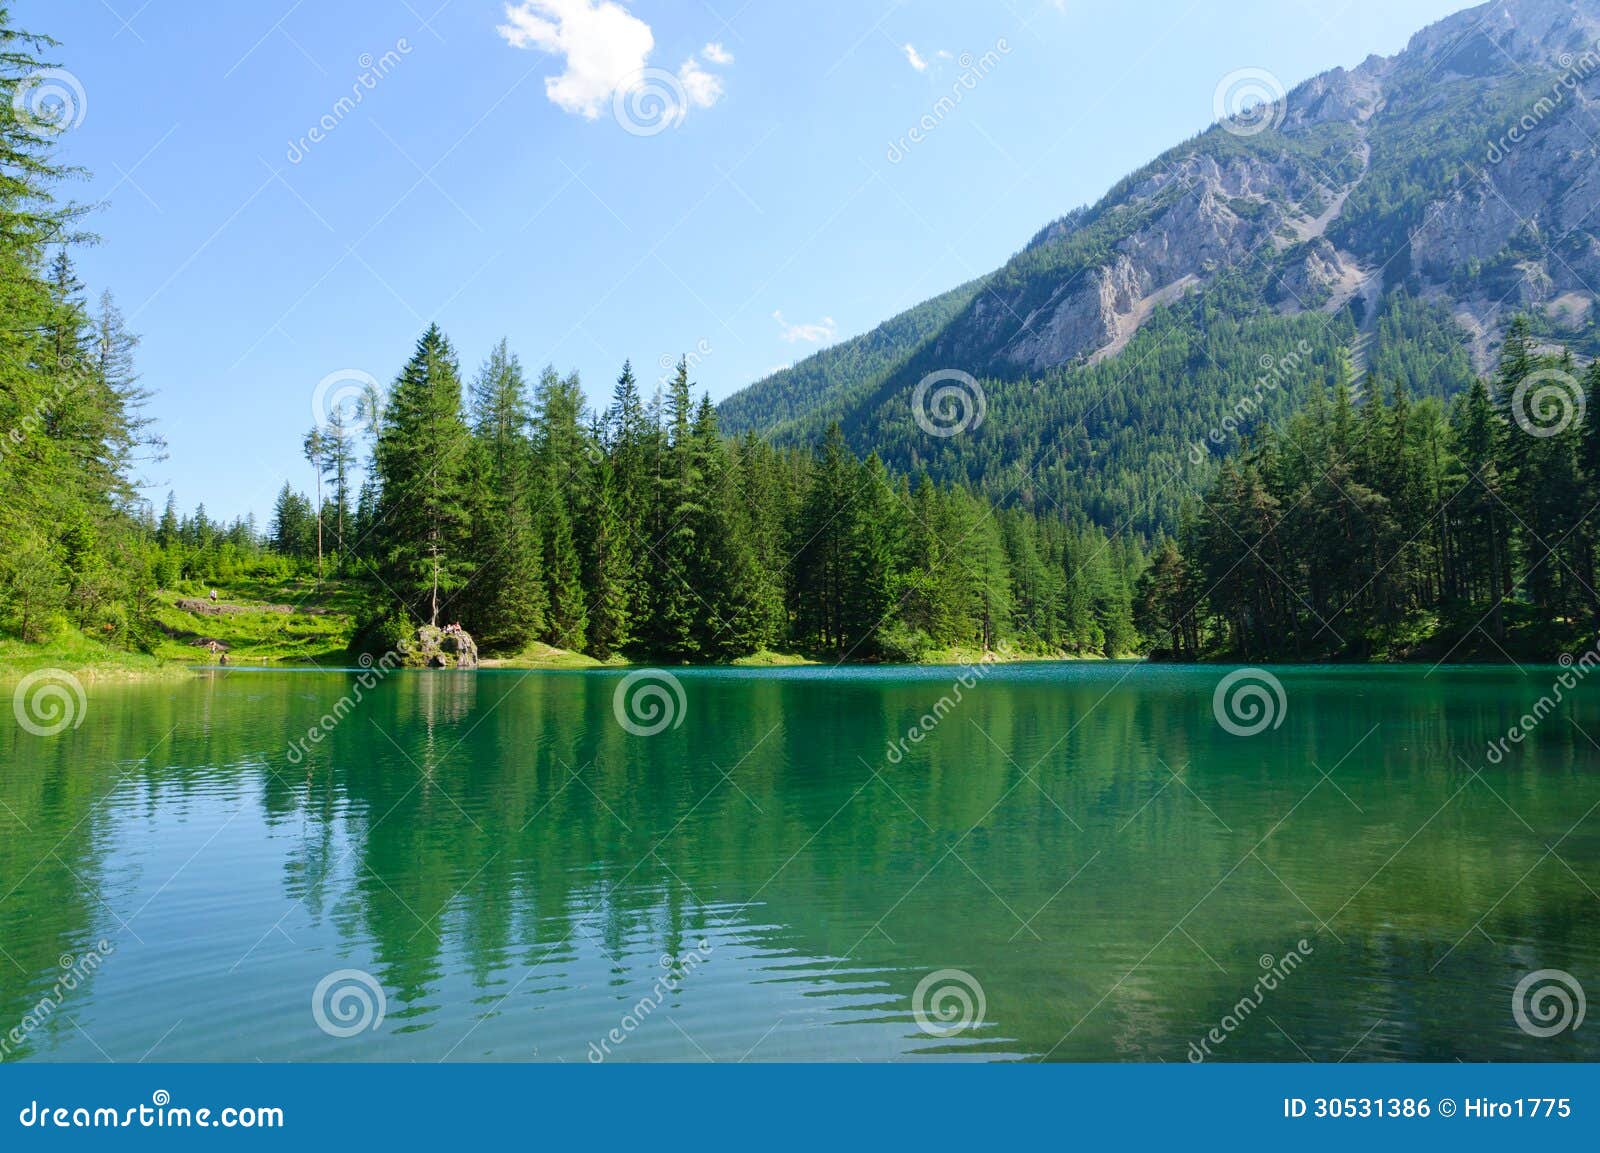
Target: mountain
[(1388, 219)]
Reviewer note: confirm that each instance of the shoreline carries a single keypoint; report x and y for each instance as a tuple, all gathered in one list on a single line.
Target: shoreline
[(141, 668)]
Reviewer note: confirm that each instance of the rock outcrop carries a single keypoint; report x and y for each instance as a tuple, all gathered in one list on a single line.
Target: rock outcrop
[(439, 648)]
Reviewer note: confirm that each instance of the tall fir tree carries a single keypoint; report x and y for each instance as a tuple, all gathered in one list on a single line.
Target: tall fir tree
[(421, 459)]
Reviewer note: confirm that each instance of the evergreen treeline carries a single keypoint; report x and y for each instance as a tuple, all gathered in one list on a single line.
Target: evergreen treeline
[(1362, 530), (1423, 519), (1099, 443), (71, 431), (507, 507)]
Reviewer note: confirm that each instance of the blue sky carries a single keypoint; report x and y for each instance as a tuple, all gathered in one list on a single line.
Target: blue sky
[(486, 179)]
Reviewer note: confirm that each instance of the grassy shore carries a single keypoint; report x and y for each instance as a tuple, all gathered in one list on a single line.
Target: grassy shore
[(296, 622), (83, 657), (308, 623)]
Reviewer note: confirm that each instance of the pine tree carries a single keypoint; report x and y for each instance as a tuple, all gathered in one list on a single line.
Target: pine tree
[(421, 460), (606, 575), (561, 456), (631, 445), (675, 611), (505, 605), (291, 532), (338, 456), (872, 560), (722, 569), (167, 531), (315, 450), (827, 530)]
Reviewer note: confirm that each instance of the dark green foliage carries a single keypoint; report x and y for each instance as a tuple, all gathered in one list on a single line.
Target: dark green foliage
[(421, 461), (74, 544), (504, 606), (1393, 527), (643, 531)]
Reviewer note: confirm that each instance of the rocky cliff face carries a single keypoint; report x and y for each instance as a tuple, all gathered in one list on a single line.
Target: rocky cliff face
[(1465, 170)]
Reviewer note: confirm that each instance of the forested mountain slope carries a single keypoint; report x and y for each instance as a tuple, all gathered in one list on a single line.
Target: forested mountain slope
[(1388, 219)]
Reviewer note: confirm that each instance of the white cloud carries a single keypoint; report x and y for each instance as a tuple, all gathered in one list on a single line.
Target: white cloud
[(605, 48), (821, 332), (915, 60), (702, 89), (604, 44)]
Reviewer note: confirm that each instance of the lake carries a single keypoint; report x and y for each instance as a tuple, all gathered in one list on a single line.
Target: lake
[(1051, 861)]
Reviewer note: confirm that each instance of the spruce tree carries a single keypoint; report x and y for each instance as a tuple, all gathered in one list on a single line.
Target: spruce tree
[(505, 606), (561, 459), (421, 461), (675, 610)]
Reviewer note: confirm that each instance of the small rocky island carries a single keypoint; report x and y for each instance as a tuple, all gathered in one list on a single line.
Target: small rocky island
[(450, 647)]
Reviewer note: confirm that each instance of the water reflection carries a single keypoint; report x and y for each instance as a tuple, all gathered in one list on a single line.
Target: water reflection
[(1108, 865)]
